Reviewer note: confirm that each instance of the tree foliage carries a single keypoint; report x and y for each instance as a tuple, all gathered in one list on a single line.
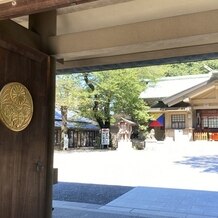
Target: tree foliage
[(113, 93), (67, 90), (190, 68)]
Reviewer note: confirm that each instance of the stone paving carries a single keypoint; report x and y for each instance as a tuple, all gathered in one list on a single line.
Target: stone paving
[(167, 202), (171, 180)]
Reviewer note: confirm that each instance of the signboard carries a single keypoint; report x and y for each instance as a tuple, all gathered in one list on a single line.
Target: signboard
[(105, 136)]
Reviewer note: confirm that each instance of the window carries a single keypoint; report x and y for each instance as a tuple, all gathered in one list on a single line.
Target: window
[(210, 122), (178, 121)]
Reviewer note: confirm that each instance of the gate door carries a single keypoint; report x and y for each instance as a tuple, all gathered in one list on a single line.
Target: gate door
[(24, 131)]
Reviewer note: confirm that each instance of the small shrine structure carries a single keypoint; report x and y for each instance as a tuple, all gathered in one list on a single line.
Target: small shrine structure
[(125, 129)]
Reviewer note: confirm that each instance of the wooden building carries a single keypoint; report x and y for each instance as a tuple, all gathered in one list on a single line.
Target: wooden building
[(184, 107), (82, 132)]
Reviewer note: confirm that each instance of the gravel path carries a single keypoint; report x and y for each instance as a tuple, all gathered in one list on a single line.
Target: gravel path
[(88, 193), (186, 165)]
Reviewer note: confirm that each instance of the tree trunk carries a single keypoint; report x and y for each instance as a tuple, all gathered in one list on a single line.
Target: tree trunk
[(64, 128), (103, 122)]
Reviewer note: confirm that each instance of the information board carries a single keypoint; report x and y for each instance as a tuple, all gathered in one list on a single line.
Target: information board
[(105, 136)]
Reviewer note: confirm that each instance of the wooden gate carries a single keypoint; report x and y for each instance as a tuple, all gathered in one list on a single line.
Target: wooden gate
[(25, 155)]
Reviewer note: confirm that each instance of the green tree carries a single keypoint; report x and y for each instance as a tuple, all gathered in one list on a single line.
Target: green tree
[(105, 96), (189, 68), (113, 93), (67, 90), (66, 98)]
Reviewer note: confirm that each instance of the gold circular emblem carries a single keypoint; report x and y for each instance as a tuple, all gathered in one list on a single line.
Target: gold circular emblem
[(16, 106)]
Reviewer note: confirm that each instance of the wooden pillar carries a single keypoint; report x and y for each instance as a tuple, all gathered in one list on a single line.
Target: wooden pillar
[(45, 25)]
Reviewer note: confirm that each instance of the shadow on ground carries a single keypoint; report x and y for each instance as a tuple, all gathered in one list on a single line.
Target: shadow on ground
[(207, 163), (152, 202), (88, 193)]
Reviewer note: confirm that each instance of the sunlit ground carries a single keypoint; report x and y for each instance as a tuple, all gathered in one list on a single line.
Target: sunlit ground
[(183, 165)]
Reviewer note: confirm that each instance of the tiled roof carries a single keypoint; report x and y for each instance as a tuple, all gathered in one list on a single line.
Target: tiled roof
[(168, 86), (77, 123)]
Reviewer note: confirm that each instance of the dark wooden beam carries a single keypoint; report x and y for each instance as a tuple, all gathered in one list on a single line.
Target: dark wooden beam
[(26, 7)]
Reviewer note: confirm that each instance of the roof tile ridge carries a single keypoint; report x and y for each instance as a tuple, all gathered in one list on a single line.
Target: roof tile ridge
[(195, 76)]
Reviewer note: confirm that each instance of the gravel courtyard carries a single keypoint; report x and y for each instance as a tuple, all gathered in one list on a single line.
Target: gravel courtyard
[(192, 165)]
